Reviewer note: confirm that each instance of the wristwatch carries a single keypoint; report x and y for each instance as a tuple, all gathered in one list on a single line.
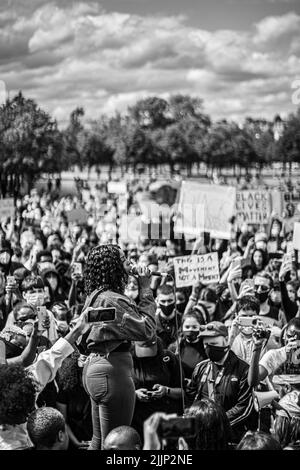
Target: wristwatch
[(168, 391)]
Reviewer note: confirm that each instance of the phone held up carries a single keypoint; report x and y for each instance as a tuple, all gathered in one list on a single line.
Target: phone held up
[(174, 428), (42, 316), (100, 315)]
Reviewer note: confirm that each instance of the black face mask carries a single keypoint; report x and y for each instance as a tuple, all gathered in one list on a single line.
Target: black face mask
[(216, 353), (167, 309), (12, 350), (180, 307), (191, 336), (262, 296)]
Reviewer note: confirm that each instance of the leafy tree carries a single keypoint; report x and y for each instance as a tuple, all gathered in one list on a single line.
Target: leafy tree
[(150, 113), (31, 144)]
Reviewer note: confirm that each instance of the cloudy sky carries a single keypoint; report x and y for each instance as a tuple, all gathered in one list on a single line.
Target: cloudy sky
[(240, 56)]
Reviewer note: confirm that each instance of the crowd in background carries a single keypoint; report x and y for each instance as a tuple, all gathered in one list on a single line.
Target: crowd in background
[(203, 361)]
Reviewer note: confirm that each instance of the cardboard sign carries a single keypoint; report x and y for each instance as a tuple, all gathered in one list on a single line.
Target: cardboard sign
[(7, 208), (190, 269), (205, 208), (79, 216), (117, 187), (253, 207), (296, 236)]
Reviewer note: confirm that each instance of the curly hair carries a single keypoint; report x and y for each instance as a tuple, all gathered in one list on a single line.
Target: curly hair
[(67, 377), (17, 394), (104, 270)]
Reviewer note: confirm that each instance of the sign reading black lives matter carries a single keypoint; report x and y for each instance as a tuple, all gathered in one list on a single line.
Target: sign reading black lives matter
[(253, 207), (193, 268)]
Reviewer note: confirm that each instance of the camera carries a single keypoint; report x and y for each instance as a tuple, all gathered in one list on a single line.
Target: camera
[(174, 428), (97, 315)]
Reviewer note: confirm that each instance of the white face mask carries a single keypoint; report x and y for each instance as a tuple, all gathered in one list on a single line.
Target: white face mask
[(37, 299), (132, 294), (4, 258)]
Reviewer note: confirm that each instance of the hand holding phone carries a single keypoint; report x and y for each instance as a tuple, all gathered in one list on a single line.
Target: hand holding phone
[(100, 315), (43, 317), (177, 427), (11, 284)]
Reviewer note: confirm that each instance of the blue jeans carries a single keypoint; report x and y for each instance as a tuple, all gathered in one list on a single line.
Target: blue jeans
[(109, 383)]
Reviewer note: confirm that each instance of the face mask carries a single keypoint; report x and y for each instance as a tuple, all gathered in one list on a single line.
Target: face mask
[(132, 294), (216, 353), (191, 336), (262, 296), (180, 306), (167, 309), (12, 350), (4, 258), (36, 299)]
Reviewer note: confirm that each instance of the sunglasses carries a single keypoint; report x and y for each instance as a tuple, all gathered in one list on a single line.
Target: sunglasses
[(261, 288)]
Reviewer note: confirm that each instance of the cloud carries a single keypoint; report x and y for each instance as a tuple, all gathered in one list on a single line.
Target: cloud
[(70, 54)]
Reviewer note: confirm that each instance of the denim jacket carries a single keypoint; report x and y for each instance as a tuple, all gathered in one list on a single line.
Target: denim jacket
[(133, 322)]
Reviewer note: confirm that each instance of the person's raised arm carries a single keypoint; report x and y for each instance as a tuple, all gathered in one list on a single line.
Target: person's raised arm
[(193, 299), (48, 362), (257, 372)]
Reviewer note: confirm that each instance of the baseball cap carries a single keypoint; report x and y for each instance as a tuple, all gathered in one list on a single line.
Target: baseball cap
[(212, 329)]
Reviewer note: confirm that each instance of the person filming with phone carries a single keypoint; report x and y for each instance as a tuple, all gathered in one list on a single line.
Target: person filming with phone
[(115, 321)]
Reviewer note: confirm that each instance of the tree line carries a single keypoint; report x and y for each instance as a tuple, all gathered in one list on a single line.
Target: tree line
[(153, 131)]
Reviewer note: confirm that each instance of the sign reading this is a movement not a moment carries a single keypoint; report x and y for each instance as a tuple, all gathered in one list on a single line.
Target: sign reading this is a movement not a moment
[(190, 269)]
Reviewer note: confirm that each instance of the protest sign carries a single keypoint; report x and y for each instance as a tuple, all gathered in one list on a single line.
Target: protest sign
[(7, 208), (117, 187), (253, 207), (190, 269), (79, 216), (205, 208), (296, 236)]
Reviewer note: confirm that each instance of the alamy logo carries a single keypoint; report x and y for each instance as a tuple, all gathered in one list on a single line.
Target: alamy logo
[(296, 94)]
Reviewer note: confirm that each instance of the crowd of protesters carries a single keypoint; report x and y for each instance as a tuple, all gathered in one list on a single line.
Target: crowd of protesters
[(224, 356)]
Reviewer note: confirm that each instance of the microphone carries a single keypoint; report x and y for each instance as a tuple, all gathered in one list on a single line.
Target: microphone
[(134, 272)]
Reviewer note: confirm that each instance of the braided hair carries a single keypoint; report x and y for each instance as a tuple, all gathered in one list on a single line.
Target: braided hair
[(104, 270)]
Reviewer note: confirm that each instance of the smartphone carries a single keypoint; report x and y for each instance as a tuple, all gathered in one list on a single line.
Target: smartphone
[(77, 268), (177, 427), (252, 321), (246, 321), (42, 316), (98, 315), (267, 322)]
